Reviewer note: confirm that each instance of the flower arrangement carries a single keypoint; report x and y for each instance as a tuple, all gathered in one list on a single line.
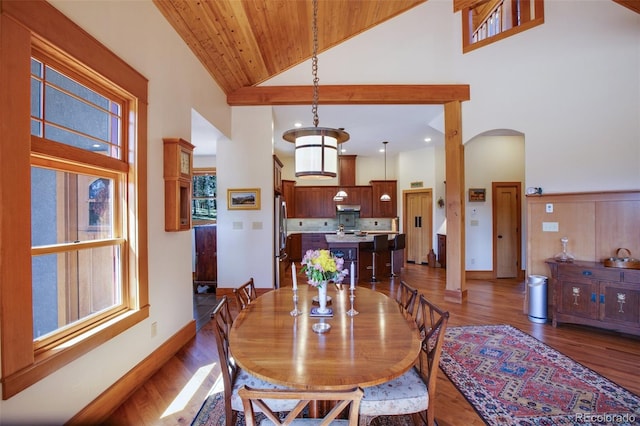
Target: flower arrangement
[(321, 266)]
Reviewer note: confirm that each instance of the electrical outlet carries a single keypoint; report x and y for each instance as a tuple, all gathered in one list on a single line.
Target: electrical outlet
[(154, 329), (549, 208)]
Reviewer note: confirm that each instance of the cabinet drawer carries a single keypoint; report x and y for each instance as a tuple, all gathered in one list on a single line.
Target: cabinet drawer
[(631, 276), (574, 271)]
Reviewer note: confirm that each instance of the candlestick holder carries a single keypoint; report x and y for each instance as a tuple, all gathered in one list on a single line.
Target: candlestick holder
[(295, 312), (352, 312)]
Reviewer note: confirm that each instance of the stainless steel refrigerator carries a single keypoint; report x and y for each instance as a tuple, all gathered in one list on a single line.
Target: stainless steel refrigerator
[(280, 239)]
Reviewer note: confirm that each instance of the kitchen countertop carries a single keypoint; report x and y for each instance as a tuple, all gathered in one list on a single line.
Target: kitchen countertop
[(334, 232), (353, 238)]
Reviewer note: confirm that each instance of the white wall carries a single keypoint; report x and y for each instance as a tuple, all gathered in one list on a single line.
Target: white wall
[(246, 237), (489, 159), (139, 34)]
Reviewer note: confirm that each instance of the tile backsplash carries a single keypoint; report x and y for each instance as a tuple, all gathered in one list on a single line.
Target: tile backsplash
[(331, 224)]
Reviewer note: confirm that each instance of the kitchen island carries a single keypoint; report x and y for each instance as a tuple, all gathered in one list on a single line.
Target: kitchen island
[(358, 248)]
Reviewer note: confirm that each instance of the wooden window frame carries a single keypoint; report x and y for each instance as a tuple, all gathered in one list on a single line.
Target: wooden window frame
[(467, 27), (200, 172), (24, 25)]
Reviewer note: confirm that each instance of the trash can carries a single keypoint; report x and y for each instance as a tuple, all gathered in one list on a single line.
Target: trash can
[(537, 288)]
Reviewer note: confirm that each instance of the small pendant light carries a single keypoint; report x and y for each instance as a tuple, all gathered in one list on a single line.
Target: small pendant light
[(385, 196)]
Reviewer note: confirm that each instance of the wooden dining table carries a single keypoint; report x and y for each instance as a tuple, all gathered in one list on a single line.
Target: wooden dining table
[(376, 345)]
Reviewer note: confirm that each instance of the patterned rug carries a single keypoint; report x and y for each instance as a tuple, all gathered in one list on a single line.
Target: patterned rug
[(511, 378), (212, 414)]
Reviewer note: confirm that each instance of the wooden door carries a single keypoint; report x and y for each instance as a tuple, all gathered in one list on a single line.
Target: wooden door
[(506, 229), (206, 254), (417, 224)]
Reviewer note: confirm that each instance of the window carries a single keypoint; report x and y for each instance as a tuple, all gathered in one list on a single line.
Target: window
[(204, 208), (75, 274), (488, 21)]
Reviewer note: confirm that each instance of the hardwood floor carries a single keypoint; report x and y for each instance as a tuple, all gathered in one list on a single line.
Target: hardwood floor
[(174, 395)]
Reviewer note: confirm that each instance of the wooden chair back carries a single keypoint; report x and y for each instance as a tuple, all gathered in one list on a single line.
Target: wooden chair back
[(432, 325), (259, 398), (222, 322), (406, 296), (245, 294)]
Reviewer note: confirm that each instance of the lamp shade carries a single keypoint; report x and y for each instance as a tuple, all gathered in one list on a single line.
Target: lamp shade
[(316, 151), (443, 228)]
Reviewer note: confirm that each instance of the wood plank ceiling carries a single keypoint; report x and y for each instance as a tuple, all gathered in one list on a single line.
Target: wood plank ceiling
[(245, 42)]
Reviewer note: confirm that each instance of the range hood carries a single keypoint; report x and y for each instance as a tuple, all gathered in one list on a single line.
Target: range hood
[(347, 208)]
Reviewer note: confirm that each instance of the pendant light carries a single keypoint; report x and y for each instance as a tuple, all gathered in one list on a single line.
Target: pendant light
[(341, 194), (316, 147), (385, 196)]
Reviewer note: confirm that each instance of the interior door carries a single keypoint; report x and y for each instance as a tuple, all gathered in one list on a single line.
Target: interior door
[(417, 224), (506, 229), (206, 254)]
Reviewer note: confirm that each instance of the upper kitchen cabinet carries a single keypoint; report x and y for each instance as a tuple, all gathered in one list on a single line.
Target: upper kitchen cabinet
[(347, 170), (360, 196), (315, 201), (289, 195), (384, 208), (277, 175)]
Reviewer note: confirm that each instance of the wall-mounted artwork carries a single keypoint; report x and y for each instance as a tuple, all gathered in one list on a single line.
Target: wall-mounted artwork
[(477, 194), (243, 199)]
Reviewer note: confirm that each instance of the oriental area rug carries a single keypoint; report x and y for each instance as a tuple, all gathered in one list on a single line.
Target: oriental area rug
[(212, 414), (511, 378)]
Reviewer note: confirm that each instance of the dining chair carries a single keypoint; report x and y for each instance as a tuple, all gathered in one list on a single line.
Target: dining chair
[(406, 297), (233, 377), (253, 399), (245, 294), (414, 391)]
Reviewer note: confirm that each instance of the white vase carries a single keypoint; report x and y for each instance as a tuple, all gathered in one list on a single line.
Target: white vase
[(322, 297)]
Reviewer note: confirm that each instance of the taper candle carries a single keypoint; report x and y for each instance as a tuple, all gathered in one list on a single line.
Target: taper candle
[(294, 277), (353, 276)]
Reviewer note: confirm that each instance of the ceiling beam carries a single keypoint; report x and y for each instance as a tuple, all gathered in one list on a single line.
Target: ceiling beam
[(411, 94), (631, 4), (466, 4)]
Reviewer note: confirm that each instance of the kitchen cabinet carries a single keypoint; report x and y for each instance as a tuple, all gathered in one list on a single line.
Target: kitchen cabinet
[(289, 196), (313, 241), (294, 247), (384, 208), (358, 195), (347, 170), (315, 201), (277, 175), (589, 293)]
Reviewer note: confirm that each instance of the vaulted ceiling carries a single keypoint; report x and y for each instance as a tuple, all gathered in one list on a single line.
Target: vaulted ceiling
[(245, 42)]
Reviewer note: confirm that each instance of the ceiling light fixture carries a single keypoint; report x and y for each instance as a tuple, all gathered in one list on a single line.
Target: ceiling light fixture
[(316, 147), (341, 194), (385, 196)]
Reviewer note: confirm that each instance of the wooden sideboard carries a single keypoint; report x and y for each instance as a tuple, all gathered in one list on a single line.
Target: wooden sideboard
[(591, 294)]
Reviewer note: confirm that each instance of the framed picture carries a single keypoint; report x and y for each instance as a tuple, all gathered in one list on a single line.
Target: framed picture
[(243, 199), (477, 194)]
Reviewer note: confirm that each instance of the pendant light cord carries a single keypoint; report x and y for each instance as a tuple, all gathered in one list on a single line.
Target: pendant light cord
[(314, 65)]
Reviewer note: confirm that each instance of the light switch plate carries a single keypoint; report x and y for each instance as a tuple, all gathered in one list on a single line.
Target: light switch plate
[(549, 208)]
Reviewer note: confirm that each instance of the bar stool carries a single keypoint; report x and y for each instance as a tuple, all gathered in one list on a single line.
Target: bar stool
[(380, 245), (399, 243)]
